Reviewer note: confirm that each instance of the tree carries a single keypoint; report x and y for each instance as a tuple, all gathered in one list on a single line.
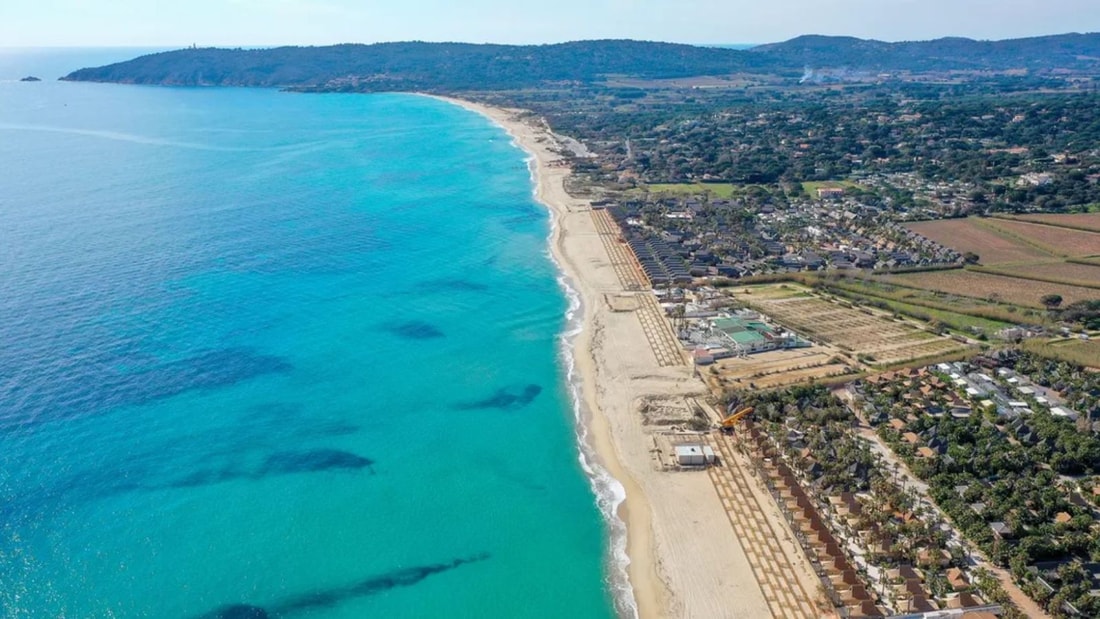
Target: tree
[(971, 258), (1051, 301)]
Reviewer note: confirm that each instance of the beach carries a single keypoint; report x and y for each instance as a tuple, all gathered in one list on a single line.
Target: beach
[(684, 560)]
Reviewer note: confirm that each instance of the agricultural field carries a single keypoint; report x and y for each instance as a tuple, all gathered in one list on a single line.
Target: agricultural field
[(999, 288), (925, 305), (1021, 261), (1084, 275), (774, 369), (1081, 352), (971, 235), (1080, 221), (869, 336), (1052, 239)]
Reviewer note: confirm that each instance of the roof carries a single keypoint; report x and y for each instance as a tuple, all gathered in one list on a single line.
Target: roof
[(746, 337), (689, 450)]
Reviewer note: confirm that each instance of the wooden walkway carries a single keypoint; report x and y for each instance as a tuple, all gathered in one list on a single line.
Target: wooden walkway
[(666, 346), (662, 340), (623, 261), (759, 539)]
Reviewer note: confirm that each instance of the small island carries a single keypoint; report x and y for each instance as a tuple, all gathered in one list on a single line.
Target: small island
[(31, 78)]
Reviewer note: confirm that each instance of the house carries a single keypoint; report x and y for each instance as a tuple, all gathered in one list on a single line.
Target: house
[(929, 558), (957, 579), (1001, 530), (964, 600), (826, 193)]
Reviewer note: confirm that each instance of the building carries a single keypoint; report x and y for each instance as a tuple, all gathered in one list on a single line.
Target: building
[(830, 192), (694, 455), (750, 335)]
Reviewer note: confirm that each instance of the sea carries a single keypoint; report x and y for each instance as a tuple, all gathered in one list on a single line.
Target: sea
[(278, 355)]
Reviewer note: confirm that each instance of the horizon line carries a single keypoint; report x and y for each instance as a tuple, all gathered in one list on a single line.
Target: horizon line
[(169, 46)]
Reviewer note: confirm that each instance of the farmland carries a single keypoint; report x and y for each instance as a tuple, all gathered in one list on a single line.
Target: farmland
[(970, 235), (1052, 239), (1021, 261), (1082, 352), (950, 310), (870, 337), (1084, 275), (999, 288), (1079, 221)]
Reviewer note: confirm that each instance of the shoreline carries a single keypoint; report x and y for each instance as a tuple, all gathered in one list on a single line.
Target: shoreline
[(638, 591), (671, 529)]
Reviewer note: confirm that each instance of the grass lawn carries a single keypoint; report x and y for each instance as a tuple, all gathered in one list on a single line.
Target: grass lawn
[(723, 191)]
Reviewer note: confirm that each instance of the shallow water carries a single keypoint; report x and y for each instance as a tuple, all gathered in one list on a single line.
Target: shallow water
[(298, 353)]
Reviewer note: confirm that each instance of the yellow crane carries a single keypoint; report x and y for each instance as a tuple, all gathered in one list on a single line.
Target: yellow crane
[(729, 422)]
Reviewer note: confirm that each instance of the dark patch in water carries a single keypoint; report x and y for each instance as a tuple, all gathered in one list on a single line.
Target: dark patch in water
[(329, 598), (522, 222), (239, 611), (455, 284), (102, 387), (208, 477), (281, 463), (314, 461), (505, 399), (415, 330)]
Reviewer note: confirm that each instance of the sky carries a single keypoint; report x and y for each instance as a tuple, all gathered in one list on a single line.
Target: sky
[(85, 23)]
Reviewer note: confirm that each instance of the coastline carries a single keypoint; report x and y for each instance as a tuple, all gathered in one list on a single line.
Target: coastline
[(679, 557), (638, 592)]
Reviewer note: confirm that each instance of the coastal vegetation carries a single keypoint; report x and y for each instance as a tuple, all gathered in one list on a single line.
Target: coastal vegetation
[(452, 67), (1009, 482)]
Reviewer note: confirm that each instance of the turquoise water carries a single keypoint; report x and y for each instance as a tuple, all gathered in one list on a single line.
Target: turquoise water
[(299, 353)]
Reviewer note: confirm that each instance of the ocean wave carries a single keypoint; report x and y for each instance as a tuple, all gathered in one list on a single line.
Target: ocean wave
[(609, 492)]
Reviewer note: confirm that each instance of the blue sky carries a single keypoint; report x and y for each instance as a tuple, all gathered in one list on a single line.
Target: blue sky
[(317, 22)]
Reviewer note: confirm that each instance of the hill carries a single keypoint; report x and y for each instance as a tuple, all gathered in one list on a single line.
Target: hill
[(462, 66), (418, 65), (1063, 51)]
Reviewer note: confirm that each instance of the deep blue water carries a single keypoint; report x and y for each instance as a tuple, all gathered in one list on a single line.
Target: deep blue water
[(295, 352)]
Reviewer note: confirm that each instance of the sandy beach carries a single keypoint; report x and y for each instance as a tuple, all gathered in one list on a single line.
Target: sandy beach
[(684, 559)]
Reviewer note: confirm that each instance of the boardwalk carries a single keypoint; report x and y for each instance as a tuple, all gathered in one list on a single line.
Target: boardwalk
[(759, 538), (666, 346), (622, 259)]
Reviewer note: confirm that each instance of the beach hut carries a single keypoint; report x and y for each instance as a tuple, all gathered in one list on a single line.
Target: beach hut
[(694, 455)]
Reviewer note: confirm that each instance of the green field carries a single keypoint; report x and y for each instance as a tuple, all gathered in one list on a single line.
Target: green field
[(1081, 352), (722, 191), (925, 305)]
